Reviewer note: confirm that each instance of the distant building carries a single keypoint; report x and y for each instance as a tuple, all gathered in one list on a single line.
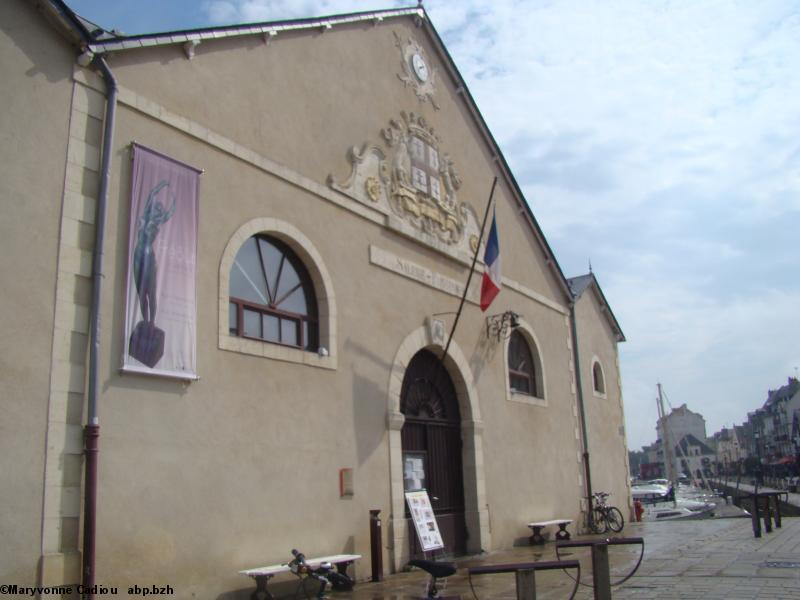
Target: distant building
[(729, 450), (680, 423), (696, 458), (779, 412)]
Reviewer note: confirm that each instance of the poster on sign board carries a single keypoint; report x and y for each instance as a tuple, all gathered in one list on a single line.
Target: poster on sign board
[(419, 505)]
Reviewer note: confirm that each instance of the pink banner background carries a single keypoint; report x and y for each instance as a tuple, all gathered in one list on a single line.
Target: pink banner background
[(161, 314)]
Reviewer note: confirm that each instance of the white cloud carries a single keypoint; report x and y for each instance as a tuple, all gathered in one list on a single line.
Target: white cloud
[(250, 11)]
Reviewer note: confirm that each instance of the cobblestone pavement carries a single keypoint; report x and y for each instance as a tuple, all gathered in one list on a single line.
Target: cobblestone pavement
[(704, 559)]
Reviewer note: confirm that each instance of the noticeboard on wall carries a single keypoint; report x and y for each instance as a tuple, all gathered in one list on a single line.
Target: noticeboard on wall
[(419, 505), (414, 471)]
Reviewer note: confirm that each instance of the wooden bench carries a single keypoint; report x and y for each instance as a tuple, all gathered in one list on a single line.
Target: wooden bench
[(526, 574), (561, 534), (262, 575)]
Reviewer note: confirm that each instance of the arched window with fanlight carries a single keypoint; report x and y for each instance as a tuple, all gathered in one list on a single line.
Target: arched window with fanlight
[(524, 370), (271, 295)]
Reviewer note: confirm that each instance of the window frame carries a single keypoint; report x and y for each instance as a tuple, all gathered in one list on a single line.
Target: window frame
[(530, 378), (327, 356), (603, 391), (539, 397), (304, 282)]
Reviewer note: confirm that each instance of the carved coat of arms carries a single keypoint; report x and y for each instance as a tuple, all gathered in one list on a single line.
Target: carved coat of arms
[(415, 180)]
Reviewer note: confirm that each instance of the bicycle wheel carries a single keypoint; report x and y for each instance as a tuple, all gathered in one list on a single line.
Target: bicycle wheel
[(598, 522), (615, 519)]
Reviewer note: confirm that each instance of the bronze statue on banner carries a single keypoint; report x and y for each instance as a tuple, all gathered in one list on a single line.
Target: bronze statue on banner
[(147, 341)]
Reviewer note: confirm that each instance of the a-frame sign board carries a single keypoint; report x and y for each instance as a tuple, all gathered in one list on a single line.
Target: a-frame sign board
[(419, 505)]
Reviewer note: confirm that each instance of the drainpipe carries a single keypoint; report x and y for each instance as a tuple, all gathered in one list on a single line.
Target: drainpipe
[(579, 389), (92, 429)]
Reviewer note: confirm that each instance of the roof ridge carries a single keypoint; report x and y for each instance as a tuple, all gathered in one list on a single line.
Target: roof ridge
[(271, 28)]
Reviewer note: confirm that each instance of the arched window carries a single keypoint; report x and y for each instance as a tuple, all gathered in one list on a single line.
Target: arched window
[(523, 371), (271, 295), (598, 380)]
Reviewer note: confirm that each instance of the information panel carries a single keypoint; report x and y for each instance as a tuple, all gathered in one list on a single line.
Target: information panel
[(424, 520)]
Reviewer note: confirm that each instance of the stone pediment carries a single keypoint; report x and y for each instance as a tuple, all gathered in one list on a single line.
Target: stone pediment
[(410, 178)]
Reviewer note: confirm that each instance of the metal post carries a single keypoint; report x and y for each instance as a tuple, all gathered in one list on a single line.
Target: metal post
[(756, 518), (777, 512), (91, 448), (600, 571), (767, 515), (526, 584), (376, 545)]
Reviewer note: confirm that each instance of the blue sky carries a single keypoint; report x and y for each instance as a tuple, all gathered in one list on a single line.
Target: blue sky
[(658, 140)]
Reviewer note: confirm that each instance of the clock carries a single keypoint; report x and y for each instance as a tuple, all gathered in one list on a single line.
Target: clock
[(420, 68)]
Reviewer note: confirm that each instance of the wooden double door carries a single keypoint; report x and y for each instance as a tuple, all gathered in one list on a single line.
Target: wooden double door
[(431, 439)]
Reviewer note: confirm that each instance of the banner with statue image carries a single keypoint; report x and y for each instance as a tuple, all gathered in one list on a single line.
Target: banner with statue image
[(161, 306)]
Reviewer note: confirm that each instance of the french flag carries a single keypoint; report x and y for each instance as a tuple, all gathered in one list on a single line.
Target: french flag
[(490, 286)]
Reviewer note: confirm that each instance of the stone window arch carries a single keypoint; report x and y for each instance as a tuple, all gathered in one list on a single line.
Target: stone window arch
[(296, 321)]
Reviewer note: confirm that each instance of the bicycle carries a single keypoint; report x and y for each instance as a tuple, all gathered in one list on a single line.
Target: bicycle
[(322, 575), (604, 517)]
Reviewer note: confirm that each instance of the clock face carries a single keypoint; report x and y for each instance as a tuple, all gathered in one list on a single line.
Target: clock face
[(420, 68)]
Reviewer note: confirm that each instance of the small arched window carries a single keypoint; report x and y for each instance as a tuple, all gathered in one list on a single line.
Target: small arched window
[(523, 371), (271, 295), (598, 380)]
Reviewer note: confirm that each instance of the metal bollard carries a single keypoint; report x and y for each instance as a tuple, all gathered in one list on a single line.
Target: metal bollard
[(526, 584), (767, 515), (600, 571), (376, 545), (778, 511), (756, 517)]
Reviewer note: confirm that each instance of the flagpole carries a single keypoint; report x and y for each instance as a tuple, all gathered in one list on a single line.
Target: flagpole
[(471, 271)]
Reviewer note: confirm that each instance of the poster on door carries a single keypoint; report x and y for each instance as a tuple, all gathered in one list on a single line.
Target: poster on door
[(419, 505)]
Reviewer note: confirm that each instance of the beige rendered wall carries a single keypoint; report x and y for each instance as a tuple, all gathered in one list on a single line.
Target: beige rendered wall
[(202, 479), (35, 95), (605, 415)]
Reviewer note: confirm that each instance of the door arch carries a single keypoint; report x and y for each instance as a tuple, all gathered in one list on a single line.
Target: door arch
[(431, 436), (476, 508)]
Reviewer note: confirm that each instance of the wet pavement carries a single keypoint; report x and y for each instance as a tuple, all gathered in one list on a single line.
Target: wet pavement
[(702, 559)]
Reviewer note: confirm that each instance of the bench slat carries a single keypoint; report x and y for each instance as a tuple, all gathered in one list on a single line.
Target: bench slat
[(553, 522), (313, 562), (513, 567)]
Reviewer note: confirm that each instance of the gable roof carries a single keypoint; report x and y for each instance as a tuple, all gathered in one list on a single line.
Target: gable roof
[(100, 41), (578, 285), (690, 440), (783, 393)]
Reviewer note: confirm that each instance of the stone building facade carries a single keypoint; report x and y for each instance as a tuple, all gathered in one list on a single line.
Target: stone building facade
[(351, 150)]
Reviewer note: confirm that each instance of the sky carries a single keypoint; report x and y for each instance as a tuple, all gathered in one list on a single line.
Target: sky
[(657, 141)]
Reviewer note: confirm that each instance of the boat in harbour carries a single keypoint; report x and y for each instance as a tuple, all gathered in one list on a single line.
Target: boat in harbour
[(661, 503)]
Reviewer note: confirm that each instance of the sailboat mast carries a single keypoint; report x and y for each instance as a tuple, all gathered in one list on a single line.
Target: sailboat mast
[(668, 460)]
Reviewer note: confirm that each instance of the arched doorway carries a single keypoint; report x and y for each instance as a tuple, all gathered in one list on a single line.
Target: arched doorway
[(431, 439)]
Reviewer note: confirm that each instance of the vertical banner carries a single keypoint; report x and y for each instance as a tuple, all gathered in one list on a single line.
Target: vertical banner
[(161, 305)]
